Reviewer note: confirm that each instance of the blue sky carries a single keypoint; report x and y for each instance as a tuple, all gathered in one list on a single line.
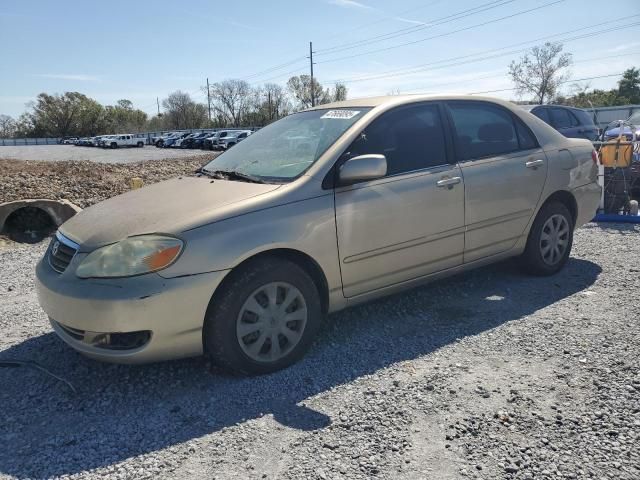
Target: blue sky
[(142, 49)]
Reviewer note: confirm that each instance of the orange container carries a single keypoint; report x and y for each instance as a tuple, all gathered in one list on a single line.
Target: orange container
[(616, 153)]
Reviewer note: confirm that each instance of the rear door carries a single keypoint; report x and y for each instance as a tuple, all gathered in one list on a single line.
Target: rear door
[(411, 222), (504, 171)]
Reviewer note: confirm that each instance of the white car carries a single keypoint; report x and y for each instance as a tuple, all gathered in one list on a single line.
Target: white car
[(124, 140), (232, 138)]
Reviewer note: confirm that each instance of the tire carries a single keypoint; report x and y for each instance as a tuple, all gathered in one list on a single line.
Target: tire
[(114, 145), (140, 144), (554, 221), (227, 314)]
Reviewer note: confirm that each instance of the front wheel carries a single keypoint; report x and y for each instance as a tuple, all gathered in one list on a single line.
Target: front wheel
[(264, 319), (550, 240)]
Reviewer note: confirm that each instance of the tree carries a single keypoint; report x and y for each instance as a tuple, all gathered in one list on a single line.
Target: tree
[(276, 103), (301, 88), (71, 113), (623, 95), (339, 92), (122, 117), (7, 126), (231, 100), (538, 72), (629, 85), (182, 112)]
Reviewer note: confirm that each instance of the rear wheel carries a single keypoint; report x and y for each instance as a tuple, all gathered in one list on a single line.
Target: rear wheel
[(264, 319), (140, 144), (114, 145), (550, 240)]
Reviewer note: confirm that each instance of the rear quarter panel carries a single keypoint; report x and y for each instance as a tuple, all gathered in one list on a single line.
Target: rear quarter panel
[(571, 169)]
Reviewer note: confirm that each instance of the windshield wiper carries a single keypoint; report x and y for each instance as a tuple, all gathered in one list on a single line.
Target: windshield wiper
[(232, 175)]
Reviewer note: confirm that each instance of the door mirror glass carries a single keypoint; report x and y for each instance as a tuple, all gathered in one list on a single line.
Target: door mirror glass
[(362, 168)]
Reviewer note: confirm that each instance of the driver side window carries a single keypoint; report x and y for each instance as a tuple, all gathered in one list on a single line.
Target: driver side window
[(411, 138)]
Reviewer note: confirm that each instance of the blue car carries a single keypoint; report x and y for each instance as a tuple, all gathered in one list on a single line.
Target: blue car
[(569, 121)]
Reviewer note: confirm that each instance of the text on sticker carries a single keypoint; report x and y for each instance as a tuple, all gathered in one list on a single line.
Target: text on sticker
[(341, 114)]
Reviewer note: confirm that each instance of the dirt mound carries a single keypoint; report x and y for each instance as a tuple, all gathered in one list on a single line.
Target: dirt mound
[(84, 182)]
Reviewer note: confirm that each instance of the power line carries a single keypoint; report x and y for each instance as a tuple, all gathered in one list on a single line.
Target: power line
[(404, 31), (480, 56), (409, 30), (368, 52), (369, 24), (504, 74), (565, 81), (274, 68)]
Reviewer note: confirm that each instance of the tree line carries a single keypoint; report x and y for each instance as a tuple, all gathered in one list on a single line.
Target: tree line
[(233, 103)]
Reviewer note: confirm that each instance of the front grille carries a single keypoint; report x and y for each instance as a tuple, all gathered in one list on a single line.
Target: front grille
[(61, 251)]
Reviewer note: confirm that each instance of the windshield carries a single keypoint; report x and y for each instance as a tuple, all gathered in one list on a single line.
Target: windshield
[(284, 149)]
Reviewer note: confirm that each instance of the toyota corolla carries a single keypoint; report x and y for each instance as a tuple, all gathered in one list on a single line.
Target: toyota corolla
[(321, 210)]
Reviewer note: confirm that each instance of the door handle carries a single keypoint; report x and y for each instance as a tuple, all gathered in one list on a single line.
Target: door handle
[(534, 163), (448, 182)]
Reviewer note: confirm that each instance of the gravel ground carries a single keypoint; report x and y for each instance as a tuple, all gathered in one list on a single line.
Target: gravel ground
[(83, 182), (490, 374), (56, 153)]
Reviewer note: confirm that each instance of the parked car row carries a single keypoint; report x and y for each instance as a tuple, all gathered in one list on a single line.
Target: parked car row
[(107, 141), (221, 140)]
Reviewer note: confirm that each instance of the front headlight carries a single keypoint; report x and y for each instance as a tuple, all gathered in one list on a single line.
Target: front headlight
[(131, 256)]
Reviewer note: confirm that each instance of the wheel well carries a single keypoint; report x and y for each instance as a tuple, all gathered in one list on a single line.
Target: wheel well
[(567, 199), (304, 261)]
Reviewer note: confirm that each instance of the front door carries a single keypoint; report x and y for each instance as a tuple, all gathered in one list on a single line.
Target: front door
[(504, 171), (411, 222)]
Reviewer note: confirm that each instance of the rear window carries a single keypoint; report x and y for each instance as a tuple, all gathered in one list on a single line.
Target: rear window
[(482, 130)]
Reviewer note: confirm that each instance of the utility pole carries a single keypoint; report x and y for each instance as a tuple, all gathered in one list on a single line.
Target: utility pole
[(313, 96), (209, 100), (158, 103), (269, 102)]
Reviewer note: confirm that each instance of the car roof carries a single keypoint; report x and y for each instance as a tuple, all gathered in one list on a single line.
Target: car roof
[(531, 107), (406, 99)]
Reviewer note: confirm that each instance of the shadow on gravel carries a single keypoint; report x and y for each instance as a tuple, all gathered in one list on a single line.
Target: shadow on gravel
[(124, 411)]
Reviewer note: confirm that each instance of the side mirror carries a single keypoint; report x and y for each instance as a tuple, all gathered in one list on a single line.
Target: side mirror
[(362, 168)]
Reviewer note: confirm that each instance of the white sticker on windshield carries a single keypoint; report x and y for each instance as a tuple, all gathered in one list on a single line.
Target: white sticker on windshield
[(341, 114)]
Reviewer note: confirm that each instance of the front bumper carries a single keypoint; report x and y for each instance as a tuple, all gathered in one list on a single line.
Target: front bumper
[(170, 312)]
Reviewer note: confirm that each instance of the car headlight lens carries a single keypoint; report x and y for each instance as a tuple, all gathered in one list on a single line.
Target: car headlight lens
[(132, 256)]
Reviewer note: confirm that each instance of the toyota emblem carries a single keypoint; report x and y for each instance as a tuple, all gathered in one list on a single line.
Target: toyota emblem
[(54, 249)]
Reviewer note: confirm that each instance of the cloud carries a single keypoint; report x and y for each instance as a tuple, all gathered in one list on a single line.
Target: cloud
[(625, 46), (66, 76), (241, 25), (349, 4), (406, 20)]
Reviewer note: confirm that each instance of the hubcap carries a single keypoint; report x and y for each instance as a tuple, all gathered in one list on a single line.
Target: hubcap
[(271, 322), (554, 239)]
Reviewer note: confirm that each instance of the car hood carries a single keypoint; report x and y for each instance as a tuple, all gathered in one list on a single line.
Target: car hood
[(172, 206)]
